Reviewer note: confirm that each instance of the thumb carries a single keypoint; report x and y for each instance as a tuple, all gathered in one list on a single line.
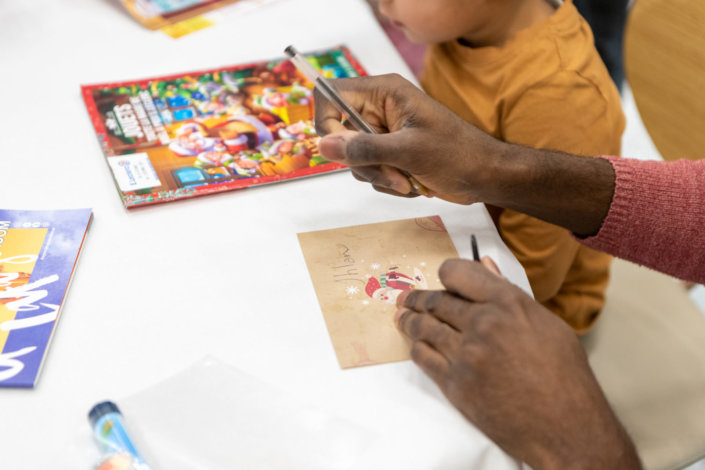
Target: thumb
[(360, 149), (333, 146)]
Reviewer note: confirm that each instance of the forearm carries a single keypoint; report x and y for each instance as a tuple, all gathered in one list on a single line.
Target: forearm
[(566, 190)]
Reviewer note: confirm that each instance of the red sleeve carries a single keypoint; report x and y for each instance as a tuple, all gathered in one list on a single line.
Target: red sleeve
[(657, 216)]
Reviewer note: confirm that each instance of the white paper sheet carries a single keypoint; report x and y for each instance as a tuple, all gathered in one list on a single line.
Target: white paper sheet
[(212, 416)]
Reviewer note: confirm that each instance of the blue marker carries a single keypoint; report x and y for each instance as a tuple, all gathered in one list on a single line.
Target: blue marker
[(109, 429)]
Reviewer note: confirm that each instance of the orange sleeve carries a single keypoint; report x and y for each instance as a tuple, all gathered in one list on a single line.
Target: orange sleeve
[(568, 114)]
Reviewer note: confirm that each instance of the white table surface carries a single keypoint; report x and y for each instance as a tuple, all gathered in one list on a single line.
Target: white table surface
[(158, 288)]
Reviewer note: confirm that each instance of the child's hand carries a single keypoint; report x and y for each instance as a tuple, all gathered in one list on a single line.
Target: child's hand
[(417, 135)]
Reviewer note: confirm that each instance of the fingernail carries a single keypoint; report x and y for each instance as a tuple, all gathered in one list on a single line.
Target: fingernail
[(333, 145), (397, 315), (401, 298), (400, 187)]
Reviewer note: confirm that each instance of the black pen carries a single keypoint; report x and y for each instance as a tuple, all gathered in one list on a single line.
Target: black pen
[(328, 90), (475, 250)]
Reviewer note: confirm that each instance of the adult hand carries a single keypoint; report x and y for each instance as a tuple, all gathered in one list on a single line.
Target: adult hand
[(457, 162), (514, 370), (417, 135)]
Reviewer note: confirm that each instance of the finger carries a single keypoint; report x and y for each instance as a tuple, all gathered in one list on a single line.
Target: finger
[(471, 280), (491, 265), (444, 306), (359, 93), (433, 363), (379, 99), (348, 124), (383, 177), (424, 327), (360, 149), (327, 118), (394, 193), (401, 298)]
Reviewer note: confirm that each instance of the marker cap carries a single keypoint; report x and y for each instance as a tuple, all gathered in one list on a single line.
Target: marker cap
[(100, 410)]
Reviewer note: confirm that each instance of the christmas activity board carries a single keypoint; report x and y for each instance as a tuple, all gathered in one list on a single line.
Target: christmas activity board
[(38, 254), (198, 133), (358, 272)]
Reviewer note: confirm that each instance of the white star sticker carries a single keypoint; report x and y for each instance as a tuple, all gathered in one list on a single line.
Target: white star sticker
[(352, 290)]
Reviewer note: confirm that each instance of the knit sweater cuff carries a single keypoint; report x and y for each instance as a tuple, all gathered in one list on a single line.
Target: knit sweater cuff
[(657, 216), (610, 234)]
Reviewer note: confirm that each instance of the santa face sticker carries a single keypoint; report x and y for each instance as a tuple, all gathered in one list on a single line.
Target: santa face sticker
[(389, 285), (358, 272)]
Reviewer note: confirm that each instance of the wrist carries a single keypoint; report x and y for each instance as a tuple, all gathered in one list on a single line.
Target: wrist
[(494, 171), (609, 448)]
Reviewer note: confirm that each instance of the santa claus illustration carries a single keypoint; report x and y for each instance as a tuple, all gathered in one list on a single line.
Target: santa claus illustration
[(392, 283)]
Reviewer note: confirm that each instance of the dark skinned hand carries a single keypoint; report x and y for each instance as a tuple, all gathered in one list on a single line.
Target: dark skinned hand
[(417, 134), (513, 369)]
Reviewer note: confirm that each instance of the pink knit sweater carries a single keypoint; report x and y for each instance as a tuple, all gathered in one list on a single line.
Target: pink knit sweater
[(657, 216)]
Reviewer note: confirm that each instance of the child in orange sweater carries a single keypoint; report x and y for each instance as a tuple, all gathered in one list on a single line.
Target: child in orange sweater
[(525, 71)]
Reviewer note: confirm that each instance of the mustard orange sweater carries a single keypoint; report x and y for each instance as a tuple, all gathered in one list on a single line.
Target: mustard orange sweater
[(545, 88)]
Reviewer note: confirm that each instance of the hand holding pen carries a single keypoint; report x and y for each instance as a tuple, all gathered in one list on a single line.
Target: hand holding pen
[(451, 159), (328, 90)]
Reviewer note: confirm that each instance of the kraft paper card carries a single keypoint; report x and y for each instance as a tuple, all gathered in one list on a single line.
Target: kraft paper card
[(358, 272)]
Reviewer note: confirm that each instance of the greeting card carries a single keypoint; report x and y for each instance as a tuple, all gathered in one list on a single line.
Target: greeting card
[(358, 272)]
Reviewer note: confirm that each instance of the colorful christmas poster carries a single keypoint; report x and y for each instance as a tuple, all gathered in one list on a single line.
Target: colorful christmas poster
[(38, 254), (358, 272), (198, 133)]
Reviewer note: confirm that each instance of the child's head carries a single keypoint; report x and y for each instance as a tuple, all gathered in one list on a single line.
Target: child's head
[(435, 21), (484, 22)]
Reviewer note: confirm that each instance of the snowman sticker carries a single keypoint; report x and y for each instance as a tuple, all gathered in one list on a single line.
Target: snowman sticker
[(392, 283)]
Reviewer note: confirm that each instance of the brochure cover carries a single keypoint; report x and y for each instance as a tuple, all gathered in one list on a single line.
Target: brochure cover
[(156, 14), (38, 254), (198, 133), (358, 272)]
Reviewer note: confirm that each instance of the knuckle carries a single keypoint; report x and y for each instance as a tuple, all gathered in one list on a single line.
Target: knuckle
[(395, 78), (459, 309), (411, 299), (414, 326), (361, 149), (486, 323), (444, 335), (510, 299), (433, 301), (403, 321), (417, 352), (477, 358)]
